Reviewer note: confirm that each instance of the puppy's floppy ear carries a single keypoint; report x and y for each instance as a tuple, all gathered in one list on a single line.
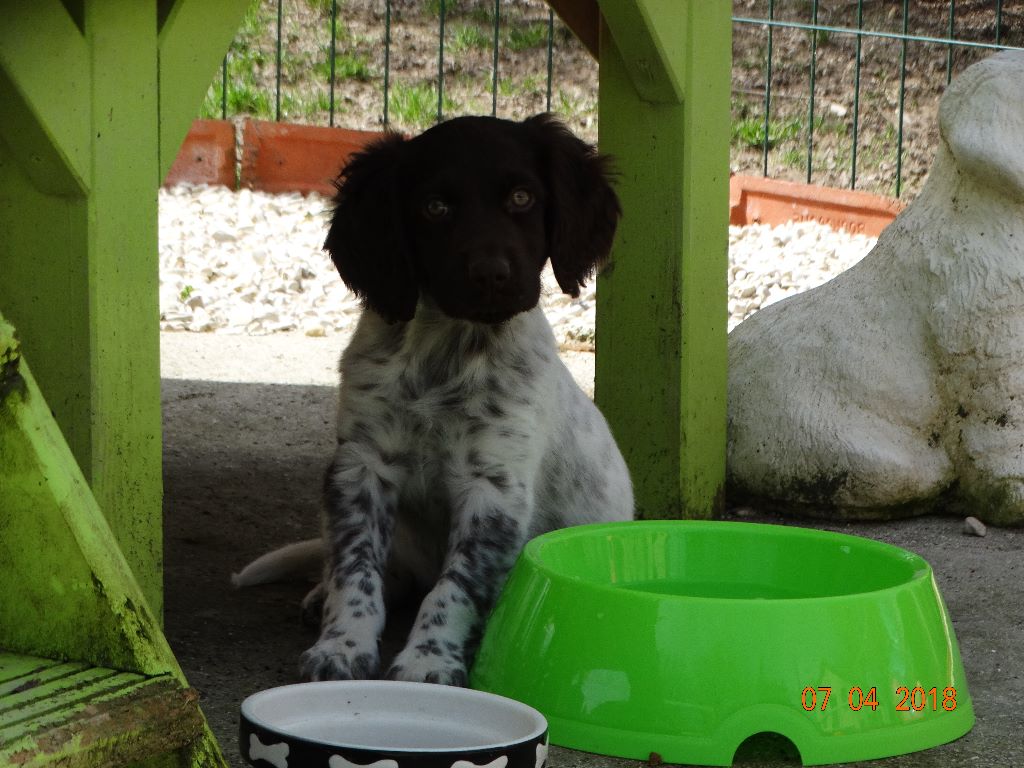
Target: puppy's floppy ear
[(582, 209), (366, 240)]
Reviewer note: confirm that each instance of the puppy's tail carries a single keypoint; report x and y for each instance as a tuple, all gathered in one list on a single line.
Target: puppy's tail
[(299, 559)]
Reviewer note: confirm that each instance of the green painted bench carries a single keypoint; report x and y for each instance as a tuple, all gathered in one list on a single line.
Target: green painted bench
[(72, 714)]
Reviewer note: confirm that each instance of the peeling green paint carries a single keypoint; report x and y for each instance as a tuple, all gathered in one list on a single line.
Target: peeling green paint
[(10, 352)]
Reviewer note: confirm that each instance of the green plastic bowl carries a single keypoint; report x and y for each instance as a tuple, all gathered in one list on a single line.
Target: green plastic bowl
[(685, 638)]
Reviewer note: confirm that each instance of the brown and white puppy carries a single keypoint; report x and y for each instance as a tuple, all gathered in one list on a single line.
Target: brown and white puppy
[(460, 432)]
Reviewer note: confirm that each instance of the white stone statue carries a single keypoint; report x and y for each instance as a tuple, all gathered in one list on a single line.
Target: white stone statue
[(897, 388)]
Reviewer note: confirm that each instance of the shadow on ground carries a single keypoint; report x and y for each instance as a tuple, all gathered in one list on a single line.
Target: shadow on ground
[(243, 465)]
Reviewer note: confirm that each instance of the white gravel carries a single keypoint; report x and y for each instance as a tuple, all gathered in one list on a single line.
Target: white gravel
[(251, 263)]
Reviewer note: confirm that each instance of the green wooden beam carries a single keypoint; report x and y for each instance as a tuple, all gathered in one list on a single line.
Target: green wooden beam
[(122, 284), (81, 158), (44, 89), (662, 307), (80, 267), (193, 38), (80, 165), (43, 288)]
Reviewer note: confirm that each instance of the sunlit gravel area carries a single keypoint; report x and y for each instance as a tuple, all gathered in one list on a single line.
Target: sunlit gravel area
[(251, 263)]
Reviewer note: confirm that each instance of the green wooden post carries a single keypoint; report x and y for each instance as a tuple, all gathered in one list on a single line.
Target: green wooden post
[(81, 158), (662, 308)]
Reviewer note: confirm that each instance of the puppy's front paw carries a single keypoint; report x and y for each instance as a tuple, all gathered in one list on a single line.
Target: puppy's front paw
[(338, 659), (428, 665)]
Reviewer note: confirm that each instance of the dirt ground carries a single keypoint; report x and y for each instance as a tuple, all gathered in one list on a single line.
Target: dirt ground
[(245, 447)]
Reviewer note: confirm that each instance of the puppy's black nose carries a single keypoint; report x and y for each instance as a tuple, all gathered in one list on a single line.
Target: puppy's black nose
[(490, 274)]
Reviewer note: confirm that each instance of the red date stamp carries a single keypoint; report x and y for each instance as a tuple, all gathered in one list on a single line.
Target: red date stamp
[(916, 699)]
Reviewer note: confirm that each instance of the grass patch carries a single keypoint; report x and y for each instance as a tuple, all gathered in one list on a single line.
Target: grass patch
[(323, 7), (531, 85), (483, 14), (794, 158), (570, 105), (416, 105), (523, 38), (244, 99), (573, 108), (434, 7), (750, 131), (254, 24), (347, 66), (468, 37), (508, 87), (243, 96)]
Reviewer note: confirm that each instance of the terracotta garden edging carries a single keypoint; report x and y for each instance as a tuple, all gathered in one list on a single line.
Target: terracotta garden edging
[(207, 156), (757, 200), (280, 157), (283, 157), (273, 157)]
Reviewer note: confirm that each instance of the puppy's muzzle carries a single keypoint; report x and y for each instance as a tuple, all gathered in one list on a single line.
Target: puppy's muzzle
[(490, 275)]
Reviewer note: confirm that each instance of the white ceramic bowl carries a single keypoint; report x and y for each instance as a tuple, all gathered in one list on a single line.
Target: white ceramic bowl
[(387, 724)]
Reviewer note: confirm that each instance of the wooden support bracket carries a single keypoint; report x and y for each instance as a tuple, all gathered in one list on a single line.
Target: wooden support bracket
[(194, 34), (47, 111), (649, 35), (75, 598)]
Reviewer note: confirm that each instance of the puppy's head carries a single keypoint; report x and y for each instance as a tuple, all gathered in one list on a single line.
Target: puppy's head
[(467, 213)]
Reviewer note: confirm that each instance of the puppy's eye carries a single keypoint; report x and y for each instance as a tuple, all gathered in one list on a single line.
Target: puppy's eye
[(520, 199), (436, 208)]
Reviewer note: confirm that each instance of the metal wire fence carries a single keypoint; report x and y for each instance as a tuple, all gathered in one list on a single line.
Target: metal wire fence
[(405, 65), (846, 93), (842, 93)]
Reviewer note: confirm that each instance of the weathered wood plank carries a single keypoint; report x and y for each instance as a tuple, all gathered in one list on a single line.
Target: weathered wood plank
[(16, 671), (41, 699), (75, 597), (94, 717)]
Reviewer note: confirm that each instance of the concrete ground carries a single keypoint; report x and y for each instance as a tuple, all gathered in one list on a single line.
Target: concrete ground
[(247, 435)]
